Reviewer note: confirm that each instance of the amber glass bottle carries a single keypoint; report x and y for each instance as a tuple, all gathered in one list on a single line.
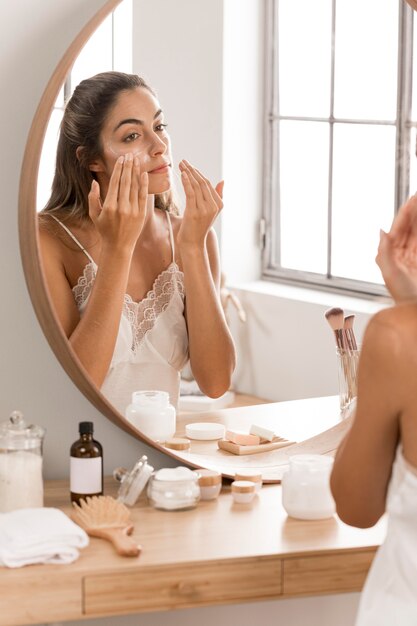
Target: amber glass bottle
[(86, 465)]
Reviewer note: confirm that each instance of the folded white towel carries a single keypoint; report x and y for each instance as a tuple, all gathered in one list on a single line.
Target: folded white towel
[(39, 535)]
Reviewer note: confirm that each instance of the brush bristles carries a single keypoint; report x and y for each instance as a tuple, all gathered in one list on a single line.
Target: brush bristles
[(350, 334), (349, 319), (335, 317)]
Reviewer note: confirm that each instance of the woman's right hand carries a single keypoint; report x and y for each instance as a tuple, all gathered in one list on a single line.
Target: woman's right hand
[(397, 253), (121, 217)]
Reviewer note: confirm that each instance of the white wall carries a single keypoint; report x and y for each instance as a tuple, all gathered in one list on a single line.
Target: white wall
[(284, 353)]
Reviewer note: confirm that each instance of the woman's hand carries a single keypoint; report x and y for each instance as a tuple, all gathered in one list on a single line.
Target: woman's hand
[(120, 219), (397, 253), (203, 204)]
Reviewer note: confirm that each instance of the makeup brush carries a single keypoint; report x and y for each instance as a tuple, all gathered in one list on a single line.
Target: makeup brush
[(350, 333), (336, 318)]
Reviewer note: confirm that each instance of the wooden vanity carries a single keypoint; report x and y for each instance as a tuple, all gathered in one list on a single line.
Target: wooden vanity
[(217, 553)]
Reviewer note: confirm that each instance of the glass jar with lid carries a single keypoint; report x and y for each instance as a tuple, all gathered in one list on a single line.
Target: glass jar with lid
[(306, 487), (174, 488), (21, 484), (152, 414), (134, 482)]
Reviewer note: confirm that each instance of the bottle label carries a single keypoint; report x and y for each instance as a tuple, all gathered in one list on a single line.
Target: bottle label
[(86, 475)]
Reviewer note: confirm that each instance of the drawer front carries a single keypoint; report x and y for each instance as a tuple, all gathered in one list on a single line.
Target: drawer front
[(183, 585), (326, 574)]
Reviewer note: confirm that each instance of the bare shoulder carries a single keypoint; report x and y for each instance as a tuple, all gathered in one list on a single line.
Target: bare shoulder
[(50, 241), (390, 339), (400, 320)]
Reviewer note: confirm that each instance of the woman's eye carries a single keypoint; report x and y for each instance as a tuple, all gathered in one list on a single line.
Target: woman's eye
[(160, 127), (131, 137)]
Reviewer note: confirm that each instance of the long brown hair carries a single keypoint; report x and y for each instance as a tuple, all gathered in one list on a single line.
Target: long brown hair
[(81, 125)]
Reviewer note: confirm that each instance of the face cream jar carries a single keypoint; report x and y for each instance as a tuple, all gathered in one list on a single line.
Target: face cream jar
[(306, 487), (253, 477), (243, 491), (210, 483), (152, 414), (173, 489)]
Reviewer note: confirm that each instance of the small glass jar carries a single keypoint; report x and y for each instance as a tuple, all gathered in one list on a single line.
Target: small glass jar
[(306, 487), (210, 482), (243, 491), (152, 414), (174, 489), (21, 484), (133, 483)]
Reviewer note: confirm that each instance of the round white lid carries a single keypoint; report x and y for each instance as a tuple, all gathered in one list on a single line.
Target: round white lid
[(205, 430)]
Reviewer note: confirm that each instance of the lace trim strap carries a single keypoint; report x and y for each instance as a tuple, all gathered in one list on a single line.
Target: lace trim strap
[(171, 236), (67, 230)]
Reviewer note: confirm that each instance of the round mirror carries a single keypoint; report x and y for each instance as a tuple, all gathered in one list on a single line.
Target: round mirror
[(80, 62)]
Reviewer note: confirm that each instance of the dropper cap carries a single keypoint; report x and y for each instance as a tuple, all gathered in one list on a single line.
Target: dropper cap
[(86, 428)]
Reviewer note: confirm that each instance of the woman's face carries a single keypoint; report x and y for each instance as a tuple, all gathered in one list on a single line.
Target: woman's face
[(136, 124)]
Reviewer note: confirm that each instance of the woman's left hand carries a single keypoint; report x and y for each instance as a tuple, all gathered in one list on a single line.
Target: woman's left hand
[(203, 204)]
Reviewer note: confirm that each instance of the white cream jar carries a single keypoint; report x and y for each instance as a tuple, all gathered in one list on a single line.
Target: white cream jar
[(152, 414), (306, 487)]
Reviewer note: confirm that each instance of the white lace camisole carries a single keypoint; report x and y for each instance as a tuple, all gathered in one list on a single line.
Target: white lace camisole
[(389, 596), (152, 343)]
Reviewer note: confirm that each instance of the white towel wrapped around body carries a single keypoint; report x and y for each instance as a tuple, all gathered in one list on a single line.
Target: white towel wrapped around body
[(39, 535)]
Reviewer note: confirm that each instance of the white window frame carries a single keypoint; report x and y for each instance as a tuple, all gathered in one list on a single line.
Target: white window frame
[(269, 223)]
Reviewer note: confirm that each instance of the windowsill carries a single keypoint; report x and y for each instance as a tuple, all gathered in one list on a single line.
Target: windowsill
[(312, 296)]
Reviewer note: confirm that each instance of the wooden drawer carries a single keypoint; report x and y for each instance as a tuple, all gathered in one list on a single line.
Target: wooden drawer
[(183, 585), (334, 573)]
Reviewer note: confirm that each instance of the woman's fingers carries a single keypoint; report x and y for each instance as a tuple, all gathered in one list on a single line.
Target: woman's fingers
[(210, 192), (219, 189), (143, 191), (188, 189), (94, 203), (126, 182), (134, 187), (113, 190), (195, 183)]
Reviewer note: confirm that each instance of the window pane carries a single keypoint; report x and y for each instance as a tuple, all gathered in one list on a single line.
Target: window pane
[(366, 52), (414, 89), (363, 197), (122, 35), (304, 38), (96, 56), (413, 162), (304, 156), (47, 162)]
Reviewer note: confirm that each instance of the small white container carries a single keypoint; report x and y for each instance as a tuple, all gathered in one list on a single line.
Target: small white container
[(243, 491), (174, 489), (306, 487), (152, 414), (253, 477), (210, 483), (205, 431)]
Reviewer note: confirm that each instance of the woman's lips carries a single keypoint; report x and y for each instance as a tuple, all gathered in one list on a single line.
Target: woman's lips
[(160, 170)]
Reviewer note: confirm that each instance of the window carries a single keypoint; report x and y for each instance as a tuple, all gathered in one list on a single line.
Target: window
[(340, 139), (109, 48)]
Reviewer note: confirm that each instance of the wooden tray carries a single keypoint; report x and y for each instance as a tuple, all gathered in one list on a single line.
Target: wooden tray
[(235, 448)]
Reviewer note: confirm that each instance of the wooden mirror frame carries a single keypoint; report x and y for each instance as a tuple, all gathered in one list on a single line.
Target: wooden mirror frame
[(29, 239)]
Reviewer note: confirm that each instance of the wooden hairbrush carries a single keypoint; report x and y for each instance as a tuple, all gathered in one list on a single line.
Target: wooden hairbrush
[(106, 518)]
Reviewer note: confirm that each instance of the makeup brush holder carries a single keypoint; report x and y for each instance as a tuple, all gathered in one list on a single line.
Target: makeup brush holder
[(347, 365)]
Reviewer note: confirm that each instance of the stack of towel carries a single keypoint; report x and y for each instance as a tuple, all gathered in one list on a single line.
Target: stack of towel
[(41, 535)]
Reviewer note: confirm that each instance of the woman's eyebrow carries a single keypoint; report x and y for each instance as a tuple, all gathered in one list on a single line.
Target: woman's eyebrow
[(132, 120)]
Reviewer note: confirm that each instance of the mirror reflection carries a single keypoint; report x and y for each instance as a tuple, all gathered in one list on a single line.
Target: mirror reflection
[(133, 277)]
